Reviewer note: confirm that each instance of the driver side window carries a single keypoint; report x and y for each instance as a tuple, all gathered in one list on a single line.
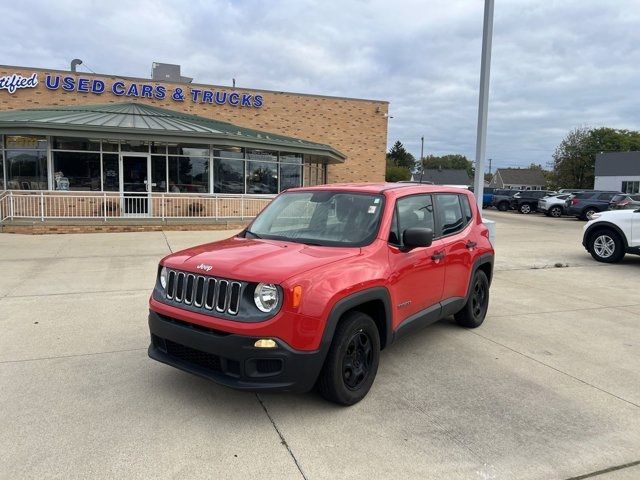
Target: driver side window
[(413, 211)]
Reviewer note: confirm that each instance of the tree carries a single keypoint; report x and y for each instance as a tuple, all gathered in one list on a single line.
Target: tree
[(395, 174), (450, 161), (398, 156), (574, 159), (572, 164)]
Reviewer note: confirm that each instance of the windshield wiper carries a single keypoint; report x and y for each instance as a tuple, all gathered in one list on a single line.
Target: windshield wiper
[(255, 235)]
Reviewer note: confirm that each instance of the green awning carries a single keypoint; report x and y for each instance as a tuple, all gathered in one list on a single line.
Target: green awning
[(136, 120)]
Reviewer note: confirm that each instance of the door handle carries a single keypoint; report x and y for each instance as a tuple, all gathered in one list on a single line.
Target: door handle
[(438, 255), (470, 244)]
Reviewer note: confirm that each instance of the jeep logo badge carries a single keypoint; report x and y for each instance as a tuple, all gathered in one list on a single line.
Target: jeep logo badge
[(204, 267)]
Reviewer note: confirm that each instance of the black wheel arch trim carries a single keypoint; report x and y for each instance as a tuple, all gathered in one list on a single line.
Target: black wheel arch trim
[(604, 225), (351, 302)]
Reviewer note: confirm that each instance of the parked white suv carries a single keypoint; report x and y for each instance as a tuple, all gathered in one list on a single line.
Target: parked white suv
[(609, 235)]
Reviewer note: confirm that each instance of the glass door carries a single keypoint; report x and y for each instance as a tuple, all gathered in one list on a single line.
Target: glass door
[(134, 184)]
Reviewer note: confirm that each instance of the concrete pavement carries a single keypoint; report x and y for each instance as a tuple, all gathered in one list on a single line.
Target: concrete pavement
[(547, 388)]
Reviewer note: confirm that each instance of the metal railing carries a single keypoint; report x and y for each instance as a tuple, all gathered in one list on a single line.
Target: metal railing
[(107, 206)]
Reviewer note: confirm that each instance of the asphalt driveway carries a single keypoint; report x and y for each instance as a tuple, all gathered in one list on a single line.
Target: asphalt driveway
[(547, 388)]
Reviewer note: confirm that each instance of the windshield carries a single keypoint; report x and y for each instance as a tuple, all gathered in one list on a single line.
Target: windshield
[(327, 218)]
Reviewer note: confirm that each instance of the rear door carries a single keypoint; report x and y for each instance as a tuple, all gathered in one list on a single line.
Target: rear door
[(417, 276), (453, 219)]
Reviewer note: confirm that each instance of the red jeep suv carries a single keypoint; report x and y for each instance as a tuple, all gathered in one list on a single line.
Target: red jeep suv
[(319, 283)]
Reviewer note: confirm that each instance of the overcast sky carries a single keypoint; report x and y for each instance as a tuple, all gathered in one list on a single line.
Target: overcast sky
[(556, 65)]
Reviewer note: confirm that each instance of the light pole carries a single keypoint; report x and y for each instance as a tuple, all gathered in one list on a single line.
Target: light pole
[(483, 103), (421, 157)]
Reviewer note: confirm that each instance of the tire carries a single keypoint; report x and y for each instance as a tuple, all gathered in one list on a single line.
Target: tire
[(606, 246), (555, 212), (525, 208), (475, 310), (503, 206), (352, 361), (587, 212)]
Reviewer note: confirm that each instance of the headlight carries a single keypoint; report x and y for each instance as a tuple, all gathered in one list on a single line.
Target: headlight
[(163, 277), (266, 297)]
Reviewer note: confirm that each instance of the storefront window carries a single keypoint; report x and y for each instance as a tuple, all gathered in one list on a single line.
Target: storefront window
[(158, 173), (290, 157), (189, 149), (188, 175), (110, 172), (134, 146), (290, 176), (110, 145), (71, 143), (264, 155), (228, 176), (31, 142), (76, 171), (157, 147), (262, 177), (26, 169), (228, 152)]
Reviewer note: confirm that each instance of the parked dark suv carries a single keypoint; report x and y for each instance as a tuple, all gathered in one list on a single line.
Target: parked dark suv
[(584, 204), (527, 200), (502, 198)]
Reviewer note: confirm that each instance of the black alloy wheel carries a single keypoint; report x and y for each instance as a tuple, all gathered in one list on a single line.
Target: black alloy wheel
[(475, 310), (503, 206), (352, 360), (357, 360)]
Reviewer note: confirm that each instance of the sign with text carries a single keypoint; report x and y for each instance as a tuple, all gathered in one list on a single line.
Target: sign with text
[(73, 84)]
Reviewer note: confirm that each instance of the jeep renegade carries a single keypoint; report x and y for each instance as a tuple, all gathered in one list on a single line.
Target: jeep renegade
[(319, 283)]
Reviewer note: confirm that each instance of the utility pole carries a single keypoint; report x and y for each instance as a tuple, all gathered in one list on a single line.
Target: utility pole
[(483, 103), (421, 157), (489, 166)]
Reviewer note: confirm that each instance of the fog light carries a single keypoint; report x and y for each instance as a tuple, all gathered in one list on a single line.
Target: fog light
[(265, 343)]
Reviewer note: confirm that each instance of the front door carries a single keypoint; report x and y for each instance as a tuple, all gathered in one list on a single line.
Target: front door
[(135, 184), (418, 278)]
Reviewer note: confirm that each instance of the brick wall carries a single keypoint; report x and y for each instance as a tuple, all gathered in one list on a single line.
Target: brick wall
[(357, 128)]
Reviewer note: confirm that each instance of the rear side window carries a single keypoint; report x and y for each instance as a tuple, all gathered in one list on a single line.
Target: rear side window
[(413, 211), (450, 216), (584, 195), (606, 196), (466, 208)]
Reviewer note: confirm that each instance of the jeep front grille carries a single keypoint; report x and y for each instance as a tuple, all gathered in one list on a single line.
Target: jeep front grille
[(209, 293)]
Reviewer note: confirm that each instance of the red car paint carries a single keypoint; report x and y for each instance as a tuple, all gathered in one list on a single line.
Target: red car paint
[(415, 279)]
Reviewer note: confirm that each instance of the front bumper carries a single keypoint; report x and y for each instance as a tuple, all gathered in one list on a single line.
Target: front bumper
[(231, 359)]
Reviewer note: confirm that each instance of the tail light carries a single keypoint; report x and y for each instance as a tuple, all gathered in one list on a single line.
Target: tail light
[(574, 201)]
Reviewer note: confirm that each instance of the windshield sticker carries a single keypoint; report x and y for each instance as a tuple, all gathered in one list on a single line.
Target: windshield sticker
[(372, 209), (376, 200)]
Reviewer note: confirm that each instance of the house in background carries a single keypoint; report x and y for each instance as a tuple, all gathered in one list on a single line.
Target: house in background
[(618, 171), (518, 179), (443, 176)]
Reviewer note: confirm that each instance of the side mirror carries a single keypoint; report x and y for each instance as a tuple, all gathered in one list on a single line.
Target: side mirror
[(417, 237)]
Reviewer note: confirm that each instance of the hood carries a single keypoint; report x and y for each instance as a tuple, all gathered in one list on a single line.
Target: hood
[(256, 260), (614, 214)]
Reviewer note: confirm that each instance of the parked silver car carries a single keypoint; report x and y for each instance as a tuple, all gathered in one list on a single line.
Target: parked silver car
[(553, 205)]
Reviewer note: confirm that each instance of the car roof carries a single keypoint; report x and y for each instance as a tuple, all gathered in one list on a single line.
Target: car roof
[(397, 188)]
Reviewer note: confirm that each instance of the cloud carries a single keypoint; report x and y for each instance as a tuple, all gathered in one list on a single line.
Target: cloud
[(556, 65)]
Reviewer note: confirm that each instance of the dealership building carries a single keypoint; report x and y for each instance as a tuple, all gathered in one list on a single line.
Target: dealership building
[(76, 146), (618, 171)]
